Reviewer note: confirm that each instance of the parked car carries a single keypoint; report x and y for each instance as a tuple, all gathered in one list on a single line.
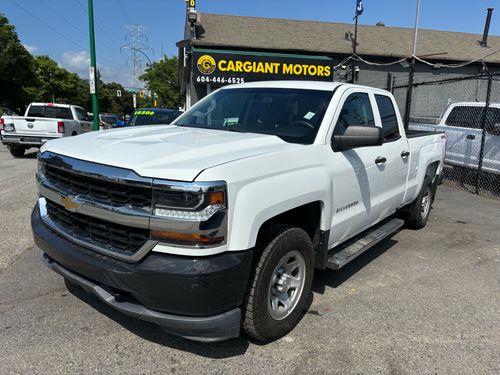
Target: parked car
[(107, 121), (153, 116), (121, 122), (43, 122), (461, 122), (218, 222)]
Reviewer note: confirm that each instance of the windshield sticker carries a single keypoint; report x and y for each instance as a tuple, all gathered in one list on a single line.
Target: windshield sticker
[(309, 115), (230, 121), (144, 113)]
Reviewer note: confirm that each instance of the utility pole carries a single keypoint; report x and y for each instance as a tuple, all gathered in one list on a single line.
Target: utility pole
[(93, 68), (354, 45), (149, 64), (359, 11), (137, 43), (409, 90)]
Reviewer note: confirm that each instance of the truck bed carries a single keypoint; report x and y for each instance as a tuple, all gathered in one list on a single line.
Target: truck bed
[(411, 133)]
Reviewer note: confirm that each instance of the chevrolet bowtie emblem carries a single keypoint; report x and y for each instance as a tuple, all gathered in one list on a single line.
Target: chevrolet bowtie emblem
[(70, 204)]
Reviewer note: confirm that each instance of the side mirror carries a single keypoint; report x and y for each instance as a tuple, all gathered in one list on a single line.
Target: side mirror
[(358, 136)]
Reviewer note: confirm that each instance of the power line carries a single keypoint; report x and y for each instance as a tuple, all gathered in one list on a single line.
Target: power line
[(99, 25), (123, 11), (85, 33), (63, 18), (46, 24)]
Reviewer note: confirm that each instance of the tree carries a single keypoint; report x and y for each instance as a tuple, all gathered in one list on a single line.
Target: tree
[(54, 83), (162, 78), (16, 66), (110, 102)]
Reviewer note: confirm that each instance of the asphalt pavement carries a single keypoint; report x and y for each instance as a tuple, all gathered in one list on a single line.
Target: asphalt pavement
[(421, 302)]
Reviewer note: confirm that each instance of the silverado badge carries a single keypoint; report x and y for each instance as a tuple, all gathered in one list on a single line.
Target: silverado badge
[(70, 204)]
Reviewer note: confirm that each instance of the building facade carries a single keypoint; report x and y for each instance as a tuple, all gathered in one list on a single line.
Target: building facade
[(220, 49)]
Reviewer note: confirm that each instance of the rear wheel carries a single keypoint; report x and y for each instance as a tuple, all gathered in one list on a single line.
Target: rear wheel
[(421, 207), (279, 285), (17, 151)]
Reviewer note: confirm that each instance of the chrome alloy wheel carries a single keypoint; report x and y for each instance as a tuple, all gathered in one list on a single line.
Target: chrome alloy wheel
[(426, 204), (287, 284)]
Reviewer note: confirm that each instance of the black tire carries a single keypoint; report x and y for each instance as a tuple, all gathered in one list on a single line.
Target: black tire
[(17, 151), (258, 321), (417, 216)]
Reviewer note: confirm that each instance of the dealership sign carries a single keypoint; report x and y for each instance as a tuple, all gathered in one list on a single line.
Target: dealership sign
[(225, 67)]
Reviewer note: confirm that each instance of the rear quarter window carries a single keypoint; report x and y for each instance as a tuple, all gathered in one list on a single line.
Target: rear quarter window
[(388, 117), (50, 112)]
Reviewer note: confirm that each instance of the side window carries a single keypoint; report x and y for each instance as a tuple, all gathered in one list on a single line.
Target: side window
[(465, 117), (388, 117), (493, 121), (79, 115), (356, 110)]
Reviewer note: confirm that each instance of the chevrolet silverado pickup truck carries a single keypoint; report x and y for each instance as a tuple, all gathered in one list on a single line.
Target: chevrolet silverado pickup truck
[(41, 123), (461, 122), (216, 223)]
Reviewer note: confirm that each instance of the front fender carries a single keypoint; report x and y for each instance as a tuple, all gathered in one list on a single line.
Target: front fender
[(258, 201)]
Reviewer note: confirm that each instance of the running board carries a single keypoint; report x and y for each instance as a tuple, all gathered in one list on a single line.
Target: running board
[(343, 254)]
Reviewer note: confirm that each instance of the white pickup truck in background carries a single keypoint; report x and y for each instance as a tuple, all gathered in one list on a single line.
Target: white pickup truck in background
[(461, 122), (218, 221), (41, 123)]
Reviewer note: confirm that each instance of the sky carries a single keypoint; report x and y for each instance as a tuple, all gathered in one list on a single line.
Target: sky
[(59, 28)]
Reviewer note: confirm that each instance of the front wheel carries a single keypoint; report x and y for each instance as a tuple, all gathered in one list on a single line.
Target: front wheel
[(279, 285), (421, 207)]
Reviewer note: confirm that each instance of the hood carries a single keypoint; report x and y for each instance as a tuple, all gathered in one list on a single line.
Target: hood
[(168, 152)]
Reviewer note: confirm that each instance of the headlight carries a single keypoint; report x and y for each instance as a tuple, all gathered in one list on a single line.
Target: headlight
[(189, 214), (40, 172), (194, 202)]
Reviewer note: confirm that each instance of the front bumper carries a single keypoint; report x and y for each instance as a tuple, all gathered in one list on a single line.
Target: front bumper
[(25, 140), (194, 297)]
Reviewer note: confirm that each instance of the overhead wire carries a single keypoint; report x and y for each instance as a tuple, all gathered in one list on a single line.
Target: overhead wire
[(123, 11), (47, 25), (461, 65), (75, 27)]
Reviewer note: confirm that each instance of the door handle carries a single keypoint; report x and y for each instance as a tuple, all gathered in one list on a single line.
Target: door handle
[(405, 154), (471, 136), (380, 160)]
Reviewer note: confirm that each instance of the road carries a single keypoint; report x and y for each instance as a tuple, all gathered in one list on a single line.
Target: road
[(421, 302)]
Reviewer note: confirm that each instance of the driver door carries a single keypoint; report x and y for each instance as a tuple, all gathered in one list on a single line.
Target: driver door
[(358, 179)]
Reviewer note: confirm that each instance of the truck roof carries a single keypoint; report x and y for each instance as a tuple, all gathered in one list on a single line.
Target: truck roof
[(311, 85), (473, 104), (52, 104)]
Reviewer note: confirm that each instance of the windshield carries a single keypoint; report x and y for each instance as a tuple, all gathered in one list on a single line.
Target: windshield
[(109, 119), (150, 117), (294, 115)]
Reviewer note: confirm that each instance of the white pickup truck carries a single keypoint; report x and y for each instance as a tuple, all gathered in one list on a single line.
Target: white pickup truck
[(41, 123), (218, 221), (461, 122)]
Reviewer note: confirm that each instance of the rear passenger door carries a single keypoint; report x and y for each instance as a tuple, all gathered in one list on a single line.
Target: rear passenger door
[(463, 135), (83, 120), (396, 152)]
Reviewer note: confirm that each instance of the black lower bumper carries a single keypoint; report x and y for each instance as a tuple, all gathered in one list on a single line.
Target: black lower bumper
[(194, 297), (26, 141)]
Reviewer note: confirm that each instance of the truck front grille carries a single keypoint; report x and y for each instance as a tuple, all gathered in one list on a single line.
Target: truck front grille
[(99, 189), (117, 238)]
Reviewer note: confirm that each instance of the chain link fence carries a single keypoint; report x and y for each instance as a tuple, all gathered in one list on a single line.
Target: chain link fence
[(467, 110)]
